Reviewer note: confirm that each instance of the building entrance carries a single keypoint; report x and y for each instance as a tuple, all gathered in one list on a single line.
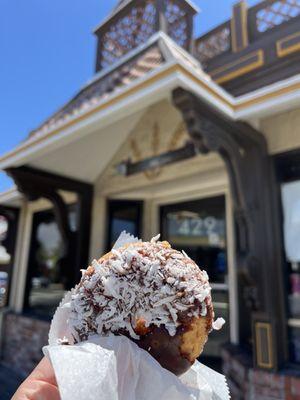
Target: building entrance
[(199, 228)]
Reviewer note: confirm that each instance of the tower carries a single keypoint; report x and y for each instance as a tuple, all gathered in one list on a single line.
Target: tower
[(133, 22)]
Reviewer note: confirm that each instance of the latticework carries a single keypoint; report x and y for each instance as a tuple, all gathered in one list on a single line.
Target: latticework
[(277, 13), (213, 45), (178, 23), (128, 32)]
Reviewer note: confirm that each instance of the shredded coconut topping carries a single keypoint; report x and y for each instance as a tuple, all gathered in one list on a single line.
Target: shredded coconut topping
[(144, 281)]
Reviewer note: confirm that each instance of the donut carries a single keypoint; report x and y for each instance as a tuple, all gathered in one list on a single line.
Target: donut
[(153, 294)]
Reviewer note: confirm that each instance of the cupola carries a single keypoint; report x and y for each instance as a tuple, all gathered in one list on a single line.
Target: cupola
[(133, 22)]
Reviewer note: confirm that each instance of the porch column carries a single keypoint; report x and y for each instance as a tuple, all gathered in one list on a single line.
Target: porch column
[(36, 184), (256, 214)]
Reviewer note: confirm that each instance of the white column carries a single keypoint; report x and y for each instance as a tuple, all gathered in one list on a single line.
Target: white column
[(21, 258), (149, 220), (98, 228), (232, 272)]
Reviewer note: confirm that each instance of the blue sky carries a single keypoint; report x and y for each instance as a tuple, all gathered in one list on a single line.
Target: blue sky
[(48, 51)]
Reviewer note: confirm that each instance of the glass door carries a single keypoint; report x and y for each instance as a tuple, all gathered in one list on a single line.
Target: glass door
[(199, 228), (8, 233), (288, 174), (123, 215), (50, 274), (290, 193)]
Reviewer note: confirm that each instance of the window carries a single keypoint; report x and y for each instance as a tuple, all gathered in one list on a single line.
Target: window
[(8, 229), (288, 169), (291, 211), (199, 228), (49, 272), (123, 216)]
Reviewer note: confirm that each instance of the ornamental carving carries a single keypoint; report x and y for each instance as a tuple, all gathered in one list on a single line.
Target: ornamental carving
[(178, 23), (157, 148)]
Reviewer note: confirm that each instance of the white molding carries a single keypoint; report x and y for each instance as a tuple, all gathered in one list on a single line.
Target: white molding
[(162, 88), (269, 89), (124, 107), (11, 197)]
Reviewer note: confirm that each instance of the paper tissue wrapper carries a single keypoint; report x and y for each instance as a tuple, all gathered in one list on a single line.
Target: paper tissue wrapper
[(115, 368)]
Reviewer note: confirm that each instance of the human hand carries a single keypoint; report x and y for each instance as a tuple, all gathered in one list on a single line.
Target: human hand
[(40, 385)]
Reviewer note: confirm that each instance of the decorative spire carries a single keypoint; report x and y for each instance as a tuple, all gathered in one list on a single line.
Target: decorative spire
[(133, 22)]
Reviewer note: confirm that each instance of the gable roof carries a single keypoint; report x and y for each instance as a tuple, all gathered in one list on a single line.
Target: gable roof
[(142, 77), (135, 65), (102, 87)]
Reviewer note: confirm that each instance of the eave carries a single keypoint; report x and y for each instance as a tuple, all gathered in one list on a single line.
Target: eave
[(156, 85)]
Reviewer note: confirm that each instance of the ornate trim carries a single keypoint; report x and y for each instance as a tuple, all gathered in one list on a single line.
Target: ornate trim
[(239, 27), (155, 166), (260, 348), (35, 184), (256, 211), (288, 45), (236, 68)]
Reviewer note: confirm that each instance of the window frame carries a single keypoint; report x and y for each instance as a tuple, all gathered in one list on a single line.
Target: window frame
[(113, 205), (287, 169), (44, 213), (12, 215), (164, 209)]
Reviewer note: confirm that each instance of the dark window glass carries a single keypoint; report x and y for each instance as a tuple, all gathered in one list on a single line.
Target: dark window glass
[(199, 228), (123, 216), (48, 273), (288, 174), (291, 212), (5, 259), (3, 288), (8, 231)]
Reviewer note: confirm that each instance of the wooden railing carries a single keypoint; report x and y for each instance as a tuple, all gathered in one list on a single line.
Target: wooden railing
[(271, 13), (260, 19), (214, 43)]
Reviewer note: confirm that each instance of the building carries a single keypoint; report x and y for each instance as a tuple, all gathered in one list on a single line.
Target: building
[(196, 138)]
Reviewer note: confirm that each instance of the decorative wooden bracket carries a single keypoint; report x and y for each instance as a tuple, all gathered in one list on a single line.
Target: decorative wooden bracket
[(255, 202), (36, 184), (34, 188)]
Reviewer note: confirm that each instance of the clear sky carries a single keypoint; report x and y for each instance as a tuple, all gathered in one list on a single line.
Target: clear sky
[(47, 51)]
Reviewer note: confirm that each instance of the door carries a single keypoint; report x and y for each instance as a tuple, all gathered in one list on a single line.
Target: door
[(199, 228), (50, 273), (8, 233), (123, 215)]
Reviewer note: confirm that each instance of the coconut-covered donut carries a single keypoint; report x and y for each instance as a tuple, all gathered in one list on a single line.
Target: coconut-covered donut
[(153, 294)]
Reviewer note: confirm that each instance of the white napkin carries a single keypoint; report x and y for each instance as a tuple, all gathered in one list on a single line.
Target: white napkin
[(125, 238), (115, 368)]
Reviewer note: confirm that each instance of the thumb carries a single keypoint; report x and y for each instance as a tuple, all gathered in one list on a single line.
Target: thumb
[(40, 385)]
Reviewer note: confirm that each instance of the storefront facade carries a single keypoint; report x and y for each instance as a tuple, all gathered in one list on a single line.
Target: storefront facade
[(153, 144)]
